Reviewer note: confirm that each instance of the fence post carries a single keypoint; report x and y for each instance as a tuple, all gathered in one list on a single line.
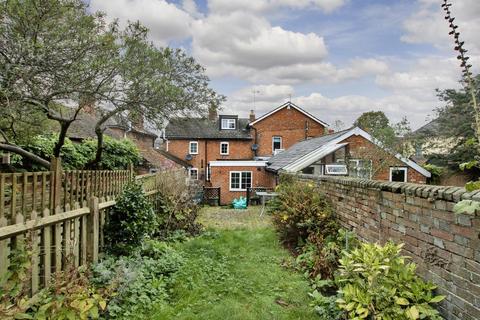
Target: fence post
[(56, 182), (131, 170), (93, 224)]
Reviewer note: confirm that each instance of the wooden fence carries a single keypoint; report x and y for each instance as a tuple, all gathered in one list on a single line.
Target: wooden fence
[(62, 213)]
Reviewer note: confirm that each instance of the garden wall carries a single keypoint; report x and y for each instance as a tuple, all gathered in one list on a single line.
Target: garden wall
[(444, 245)]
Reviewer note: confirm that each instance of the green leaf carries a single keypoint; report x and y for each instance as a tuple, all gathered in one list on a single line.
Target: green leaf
[(402, 301), (412, 313), (472, 186), (466, 206), (437, 299)]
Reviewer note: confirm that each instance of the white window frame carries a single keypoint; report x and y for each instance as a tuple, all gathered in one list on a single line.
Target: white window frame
[(405, 169), (190, 173), (190, 147), (228, 148), (273, 143), (226, 124), (209, 173), (240, 181), (357, 161)]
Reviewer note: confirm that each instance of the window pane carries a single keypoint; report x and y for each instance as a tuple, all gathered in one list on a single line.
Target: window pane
[(235, 180), (224, 148), (246, 180), (398, 175), (194, 174), (277, 143), (193, 147)]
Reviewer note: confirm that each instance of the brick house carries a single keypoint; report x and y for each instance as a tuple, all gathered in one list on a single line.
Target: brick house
[(153, 159), (239, 153), (352, 152)]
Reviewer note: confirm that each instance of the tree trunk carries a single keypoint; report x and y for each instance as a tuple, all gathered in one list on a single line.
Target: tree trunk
[(61, 138), (26, 154), (98, 154)]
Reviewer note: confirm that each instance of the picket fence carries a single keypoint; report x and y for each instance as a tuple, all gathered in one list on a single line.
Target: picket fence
[(62, 213)]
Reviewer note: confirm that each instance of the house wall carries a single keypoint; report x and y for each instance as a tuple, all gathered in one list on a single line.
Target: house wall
[(444, 245), (361, 148), (221, 178), (287, 123), (209, 150)]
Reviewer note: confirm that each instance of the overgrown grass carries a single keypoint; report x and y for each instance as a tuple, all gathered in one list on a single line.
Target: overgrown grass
[(233, 271)]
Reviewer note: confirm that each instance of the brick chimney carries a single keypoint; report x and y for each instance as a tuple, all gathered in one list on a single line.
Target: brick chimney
[(212, 113), (252, 116)]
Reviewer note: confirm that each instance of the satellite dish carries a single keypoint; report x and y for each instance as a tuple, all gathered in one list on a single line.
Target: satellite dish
[(188, 157), (254, 147)]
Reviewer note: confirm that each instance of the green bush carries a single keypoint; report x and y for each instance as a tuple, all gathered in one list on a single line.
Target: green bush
[(130, 221), (142, 280), (117, 154), (375, 282), (301, 209), (69, 295), (176, 209), (319, 256)]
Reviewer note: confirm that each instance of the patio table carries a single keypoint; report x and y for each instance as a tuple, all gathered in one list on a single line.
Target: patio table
[(264, 195)]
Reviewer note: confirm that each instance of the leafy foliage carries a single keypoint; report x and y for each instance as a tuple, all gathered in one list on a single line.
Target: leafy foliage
[(176, 208), (130, 221), (467, 206), (301, 209), (142, 279), (69, 294), (117, 155), (376, 282)]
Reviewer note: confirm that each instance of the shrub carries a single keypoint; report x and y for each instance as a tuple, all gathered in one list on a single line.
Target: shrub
[(319, 256), (375, 282), (176, 208), (69, 295), (142, 279), (301, 209), (117, 154), (131, 220)]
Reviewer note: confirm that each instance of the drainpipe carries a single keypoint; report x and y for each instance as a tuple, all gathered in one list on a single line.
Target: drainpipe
[(255, 141)]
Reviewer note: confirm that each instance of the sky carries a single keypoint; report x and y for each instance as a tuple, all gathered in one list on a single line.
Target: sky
[(334, 58)]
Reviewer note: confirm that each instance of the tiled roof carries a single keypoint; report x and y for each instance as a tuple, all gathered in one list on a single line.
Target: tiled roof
[(159, 159), (203, 128), (84, 127), (301, 149)]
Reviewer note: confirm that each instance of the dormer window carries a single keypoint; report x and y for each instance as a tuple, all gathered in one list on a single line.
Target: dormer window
[(228, 124)]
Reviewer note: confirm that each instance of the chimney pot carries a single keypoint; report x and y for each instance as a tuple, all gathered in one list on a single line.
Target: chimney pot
[(252, 116)]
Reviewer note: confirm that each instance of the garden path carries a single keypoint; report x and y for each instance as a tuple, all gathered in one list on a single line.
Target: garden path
[(234, 271)]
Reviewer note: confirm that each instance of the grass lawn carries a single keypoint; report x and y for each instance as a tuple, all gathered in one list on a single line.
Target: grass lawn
[(234, 271)]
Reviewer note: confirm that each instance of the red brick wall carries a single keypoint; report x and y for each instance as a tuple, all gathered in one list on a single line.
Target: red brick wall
[(444, 245), (221, 178), (288, 124), (359, 147), (239, 150)]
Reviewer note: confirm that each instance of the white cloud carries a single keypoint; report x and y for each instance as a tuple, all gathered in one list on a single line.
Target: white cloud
[(165, 20), (225, 6), (429, 26), (245, 40)]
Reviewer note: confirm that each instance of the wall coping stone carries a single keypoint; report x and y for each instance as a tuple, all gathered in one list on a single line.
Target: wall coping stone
[(448, 193)]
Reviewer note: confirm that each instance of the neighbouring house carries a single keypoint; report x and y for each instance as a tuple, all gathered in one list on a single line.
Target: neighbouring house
[(236, 154), (153, 159), (229, 152), (352, 152)]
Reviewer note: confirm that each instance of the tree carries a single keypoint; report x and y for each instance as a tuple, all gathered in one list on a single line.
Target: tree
[(391, 139), (374, 122), (52, 53), (154, 84), (57, 59)]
